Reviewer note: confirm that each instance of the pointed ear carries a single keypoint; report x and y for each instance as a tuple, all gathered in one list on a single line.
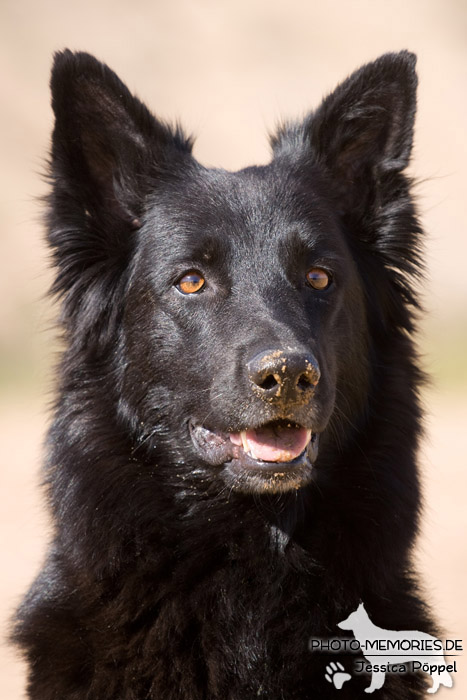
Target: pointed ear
[(364, 129), (108, 154), (106, 145)]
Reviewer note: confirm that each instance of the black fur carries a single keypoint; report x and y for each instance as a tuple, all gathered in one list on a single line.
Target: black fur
[(171, 575)]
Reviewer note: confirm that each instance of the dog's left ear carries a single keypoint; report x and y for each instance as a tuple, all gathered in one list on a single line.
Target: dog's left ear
[(363, 129)]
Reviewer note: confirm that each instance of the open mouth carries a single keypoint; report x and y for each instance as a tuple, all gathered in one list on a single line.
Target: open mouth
[(278, 446), (278, 441)]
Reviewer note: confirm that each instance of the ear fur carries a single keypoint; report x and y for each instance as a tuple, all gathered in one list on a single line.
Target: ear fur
[(105, 141), (363, 130), (360, 140), (108, 153)]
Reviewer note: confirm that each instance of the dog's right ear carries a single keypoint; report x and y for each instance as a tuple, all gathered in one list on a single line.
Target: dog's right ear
[(107, 148), (108, 153)]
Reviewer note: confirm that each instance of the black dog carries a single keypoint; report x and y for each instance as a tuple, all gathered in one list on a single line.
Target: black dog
[(231, 468)]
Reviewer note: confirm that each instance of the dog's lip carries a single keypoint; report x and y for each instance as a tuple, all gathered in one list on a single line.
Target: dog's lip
[(222, 447)]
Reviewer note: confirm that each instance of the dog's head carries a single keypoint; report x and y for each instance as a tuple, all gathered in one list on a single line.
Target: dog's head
[(229, 318), (355, 621)]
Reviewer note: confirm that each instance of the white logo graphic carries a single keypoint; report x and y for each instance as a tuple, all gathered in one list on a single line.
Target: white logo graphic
[(335, 674), (411, 647)]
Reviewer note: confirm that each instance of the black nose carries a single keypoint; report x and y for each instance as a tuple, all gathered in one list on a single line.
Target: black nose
[(289, 375)]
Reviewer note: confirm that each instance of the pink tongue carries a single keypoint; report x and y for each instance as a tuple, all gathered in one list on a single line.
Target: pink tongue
[(275, 443)]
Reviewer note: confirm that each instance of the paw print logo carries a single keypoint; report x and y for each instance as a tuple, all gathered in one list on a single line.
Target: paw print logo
[(336, 674)]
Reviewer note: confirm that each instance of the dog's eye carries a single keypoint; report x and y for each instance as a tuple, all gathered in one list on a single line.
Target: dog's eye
[(318, 278), (191, 282)]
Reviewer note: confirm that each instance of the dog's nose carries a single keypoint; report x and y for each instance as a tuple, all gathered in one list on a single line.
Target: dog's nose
[(289, 375)]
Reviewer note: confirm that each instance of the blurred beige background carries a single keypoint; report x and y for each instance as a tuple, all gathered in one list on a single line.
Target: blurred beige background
[(229, 70)]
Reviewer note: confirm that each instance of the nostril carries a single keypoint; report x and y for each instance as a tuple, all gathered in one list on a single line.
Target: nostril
[(269, 382), (304, 383)]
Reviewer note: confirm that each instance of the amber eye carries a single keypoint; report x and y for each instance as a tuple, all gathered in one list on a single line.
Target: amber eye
[(318, 278), (191, 283)]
